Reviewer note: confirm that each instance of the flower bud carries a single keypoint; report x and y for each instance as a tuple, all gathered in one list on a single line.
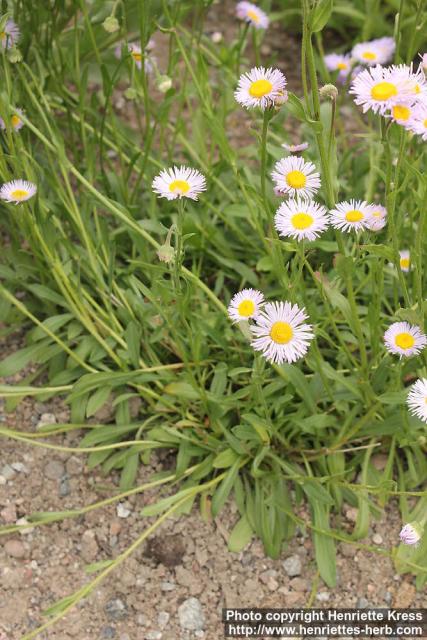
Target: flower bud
[(111, 24), (164, 83), (411, 533), (130, 94), (329, 91), (216, 37), (166, 253)]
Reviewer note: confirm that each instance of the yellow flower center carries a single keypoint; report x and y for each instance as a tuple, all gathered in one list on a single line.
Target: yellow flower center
[(369, 55), (253, 16), (302, 220), (246, 308), (376, 214), (281, 332), (341, 66), (15, 120), (354, 216), (296, 179), (179, 186), (136, 56), (401, 112), (19, 194), (260, 88), (404, 263), (404, 340), (417, 88), (425, 123), (383, 91)]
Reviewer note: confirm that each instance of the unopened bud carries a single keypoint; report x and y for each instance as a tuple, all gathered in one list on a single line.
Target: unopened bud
[(329, 91), (164, 83), (14, 55), (111, 24), (166, 253)]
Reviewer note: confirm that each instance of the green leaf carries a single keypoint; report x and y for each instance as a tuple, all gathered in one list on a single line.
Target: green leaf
[(298, 380), (324, 545), (221, 494), (240, 536), (393, 397), (225, 459), (97, 400), (321, 14), (182, 390)]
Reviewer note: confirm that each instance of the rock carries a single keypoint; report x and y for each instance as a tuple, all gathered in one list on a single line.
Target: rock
[(54, 470), (89, 546), (116, 609), (27, 530), (167, 586), (405, 596), (142, 620), (167, 550), (8, 514), (377, 539), (323, 596), (347, 550), (184, 577), (8, 472), (108, 632), (351, 514), (202, 556), (299, 584), (124, 636), (115, 528), (2, 480), (153, 635), (74, 466), (292, 565), (46, 418), (362, 603), (163, 619), (122, 510), (64, 486), (19, 467), (15, 549), (190, 614)]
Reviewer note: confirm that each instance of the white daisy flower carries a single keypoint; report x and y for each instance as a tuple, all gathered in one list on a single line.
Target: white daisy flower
[(352, 215), (294, 148), (179, 182), (405, 260), (301, 219), (136, 54), (404, 339), (380, 88), (245, 305), (17, 191), (260, 87), (415, 79), (10, 34), (252, 14), (417, 123), (294, 176), (402, 114), (339, 62), (417, 399), (15, 121), (374, 52), (280, 332), (377, 217)]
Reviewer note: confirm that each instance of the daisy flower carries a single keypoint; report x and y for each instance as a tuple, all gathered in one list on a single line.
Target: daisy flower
[(405, 260), (350, 216), (301, 219), (281, 333), (402, 114), (411, 533), (245, 305), (136, 54), (379, 88), (294, 148), (10, 34), (260, 87), (179, 182), (417, 399), (374, 52), (416, 80), (404, 339), (377, 217), (338, 62), (14, 121), (417, 123), (17, 191), (252, 14), (294, 176)]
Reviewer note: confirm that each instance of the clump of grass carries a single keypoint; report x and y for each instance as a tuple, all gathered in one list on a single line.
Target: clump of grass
[(122, 295)]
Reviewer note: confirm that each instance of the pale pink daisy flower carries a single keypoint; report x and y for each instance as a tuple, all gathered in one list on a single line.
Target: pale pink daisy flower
[(301, 219), (417, 123), (281, 333), (179, 182), (415, 79), (405, 260), (245, 305), (417, 399), (295, 176), (295, 148), (339, 62), (136, 55), (404, 339), (10, 34), (352, 215), (380, 88), (17, 191), (15, 121), (377, 217), (252, 14), (379, 51), (260, 87), (411, 534)]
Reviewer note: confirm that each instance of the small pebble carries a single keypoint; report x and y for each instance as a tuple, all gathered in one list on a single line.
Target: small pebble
[(8, 472), (190, 614), (122, 510), (153, 635), (163, 619), (46, 418), (323, 596), (27, 530), (292, 565), (108, 632), (377, 539), (19, 467), (167, 586), (14, 548), (64, 486), (362, 603), (54, 470), (116, 609)]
